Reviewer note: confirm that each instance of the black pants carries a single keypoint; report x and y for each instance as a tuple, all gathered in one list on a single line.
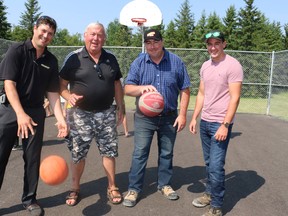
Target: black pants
[(32, 147)]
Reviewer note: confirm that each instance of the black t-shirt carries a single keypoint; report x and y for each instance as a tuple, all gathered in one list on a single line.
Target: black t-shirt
[(33, 76), (80, 70)]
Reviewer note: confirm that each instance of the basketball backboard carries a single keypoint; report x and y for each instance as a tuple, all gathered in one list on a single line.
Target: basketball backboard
[(141, 13), (143, 9)]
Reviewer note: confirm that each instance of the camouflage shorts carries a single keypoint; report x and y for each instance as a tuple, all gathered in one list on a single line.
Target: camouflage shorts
[(85, 125)]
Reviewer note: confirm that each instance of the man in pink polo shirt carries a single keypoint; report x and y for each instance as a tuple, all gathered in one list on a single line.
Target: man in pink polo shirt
[(217, 101)]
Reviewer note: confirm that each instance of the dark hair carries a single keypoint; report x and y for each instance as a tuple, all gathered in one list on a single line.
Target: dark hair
[(47, 21)]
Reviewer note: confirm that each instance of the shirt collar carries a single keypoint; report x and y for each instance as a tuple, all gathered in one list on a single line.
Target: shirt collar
[(165, 56), (30, 46), (85, 53)]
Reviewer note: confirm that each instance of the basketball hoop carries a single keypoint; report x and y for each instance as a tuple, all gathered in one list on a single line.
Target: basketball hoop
[(142, 14), (139, 21)]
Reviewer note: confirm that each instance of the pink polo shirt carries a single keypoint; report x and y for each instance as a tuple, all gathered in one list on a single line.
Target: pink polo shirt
[(216, 78)]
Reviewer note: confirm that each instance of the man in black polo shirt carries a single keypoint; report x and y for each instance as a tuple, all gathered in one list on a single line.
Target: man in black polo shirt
[(29, 71), (93, 76)]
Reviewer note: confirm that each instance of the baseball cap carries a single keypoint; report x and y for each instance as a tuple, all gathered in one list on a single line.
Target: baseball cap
[(214, 34), (152, 34)]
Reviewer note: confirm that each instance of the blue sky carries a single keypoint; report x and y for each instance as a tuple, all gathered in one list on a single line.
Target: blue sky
[(76, 15)]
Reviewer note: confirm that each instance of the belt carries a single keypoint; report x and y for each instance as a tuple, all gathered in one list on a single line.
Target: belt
[(163, 114), (168, 113)]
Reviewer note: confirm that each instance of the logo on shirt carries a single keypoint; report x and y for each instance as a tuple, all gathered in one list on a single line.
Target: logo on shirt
[(45, 66)]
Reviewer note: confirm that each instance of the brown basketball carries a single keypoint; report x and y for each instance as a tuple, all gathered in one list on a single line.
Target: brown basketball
[(151, 103), (53, 170)]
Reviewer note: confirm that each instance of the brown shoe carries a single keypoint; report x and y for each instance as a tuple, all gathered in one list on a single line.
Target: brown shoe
[(202, 201), (130, 199), (169, 193), (213, 212)]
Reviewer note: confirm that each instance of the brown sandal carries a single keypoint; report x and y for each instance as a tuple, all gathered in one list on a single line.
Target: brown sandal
[(112, 197), (73, 195)]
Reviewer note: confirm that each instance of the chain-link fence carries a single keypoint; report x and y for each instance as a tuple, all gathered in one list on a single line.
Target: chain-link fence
[(265, 86)]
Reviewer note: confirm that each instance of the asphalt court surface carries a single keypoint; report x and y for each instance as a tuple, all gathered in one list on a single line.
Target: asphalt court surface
[(256, 175)]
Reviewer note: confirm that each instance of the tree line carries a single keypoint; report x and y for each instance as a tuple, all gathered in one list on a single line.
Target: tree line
[(245, 29)]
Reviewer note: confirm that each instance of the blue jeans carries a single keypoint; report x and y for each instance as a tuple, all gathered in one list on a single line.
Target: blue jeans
[(214, 152), (143, 135)]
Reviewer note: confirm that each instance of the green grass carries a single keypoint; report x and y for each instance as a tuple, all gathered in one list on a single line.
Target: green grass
[(278, 105)]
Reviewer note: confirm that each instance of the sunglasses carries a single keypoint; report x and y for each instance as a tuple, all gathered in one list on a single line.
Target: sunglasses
[(212, 34), (99, 71)]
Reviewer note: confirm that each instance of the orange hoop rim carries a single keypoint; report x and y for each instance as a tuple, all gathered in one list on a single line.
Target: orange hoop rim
[(139, 21)]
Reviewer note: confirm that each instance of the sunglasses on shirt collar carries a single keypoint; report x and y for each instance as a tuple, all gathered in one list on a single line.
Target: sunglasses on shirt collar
[(99, 71)]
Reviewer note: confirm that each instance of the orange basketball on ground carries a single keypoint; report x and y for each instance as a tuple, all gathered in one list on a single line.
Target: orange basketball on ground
[(151, 103), (53, 170)]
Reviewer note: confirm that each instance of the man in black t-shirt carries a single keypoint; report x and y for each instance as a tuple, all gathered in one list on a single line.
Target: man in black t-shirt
[(29, 71), (93, 76)]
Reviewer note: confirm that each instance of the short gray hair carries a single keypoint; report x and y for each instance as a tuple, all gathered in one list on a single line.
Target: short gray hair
[(96, 24)]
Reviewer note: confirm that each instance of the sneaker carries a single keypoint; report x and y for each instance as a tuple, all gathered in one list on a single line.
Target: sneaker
[(17, 147), (17, 144), (213, 212), (130, 199), (35, 210), (202, 201), (169, 193)]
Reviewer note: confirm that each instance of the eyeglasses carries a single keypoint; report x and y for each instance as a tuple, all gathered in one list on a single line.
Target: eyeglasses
[(212, 34), (99, 71), (46, 20)]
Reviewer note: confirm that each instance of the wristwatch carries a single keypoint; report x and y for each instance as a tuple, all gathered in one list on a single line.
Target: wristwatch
[(226, 124)]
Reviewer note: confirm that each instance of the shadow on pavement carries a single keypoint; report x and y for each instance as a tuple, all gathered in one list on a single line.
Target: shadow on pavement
[(239, 185)]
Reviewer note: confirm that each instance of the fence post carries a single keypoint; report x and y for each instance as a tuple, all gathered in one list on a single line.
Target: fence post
[(270, 84)]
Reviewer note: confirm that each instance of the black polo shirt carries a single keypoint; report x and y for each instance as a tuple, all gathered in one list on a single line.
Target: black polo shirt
[(33, 76), (80, 70)]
